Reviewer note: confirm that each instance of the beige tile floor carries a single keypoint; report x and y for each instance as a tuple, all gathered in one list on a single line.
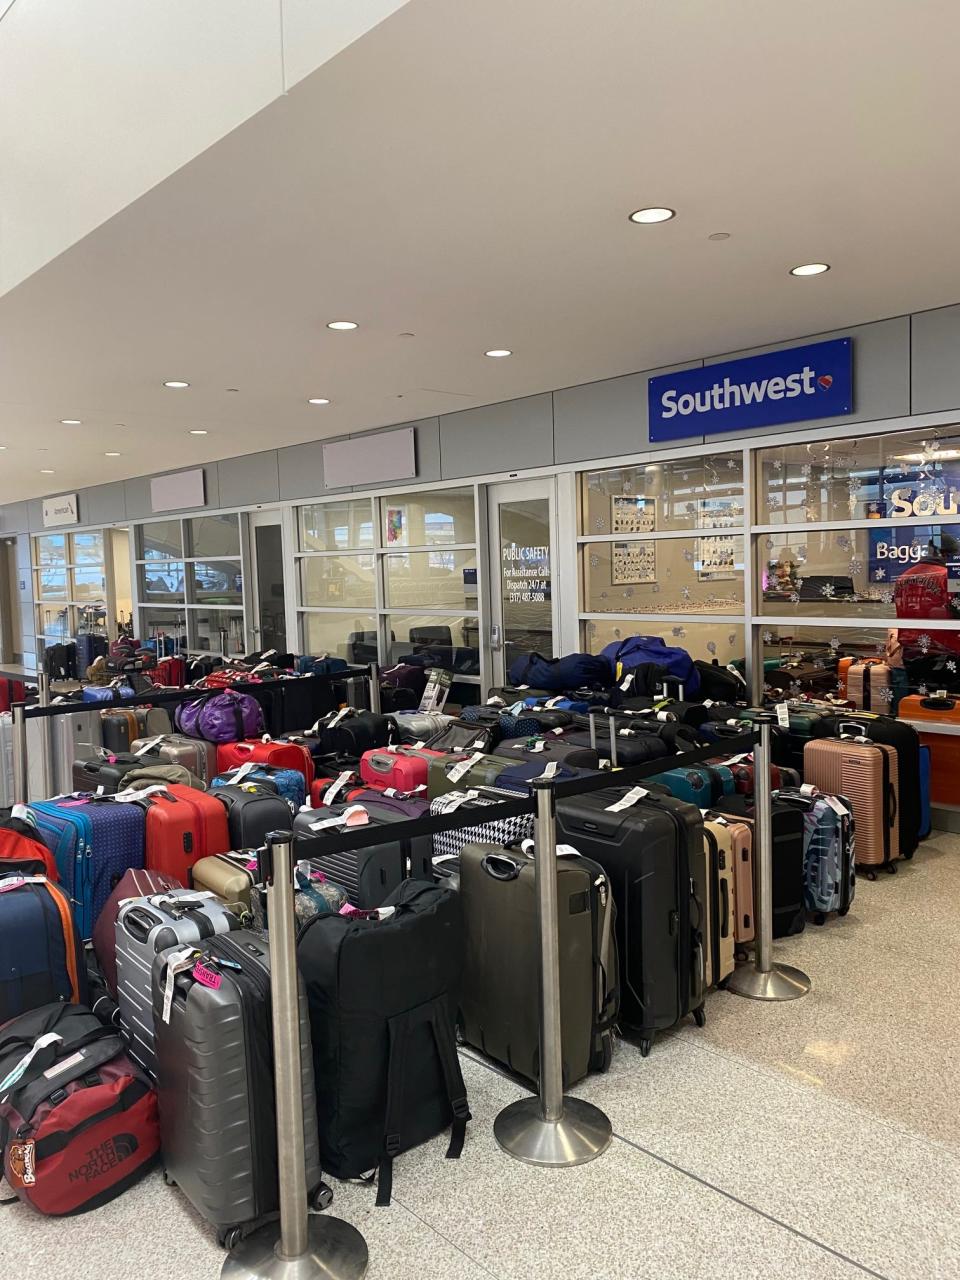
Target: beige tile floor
[(816, 1140)]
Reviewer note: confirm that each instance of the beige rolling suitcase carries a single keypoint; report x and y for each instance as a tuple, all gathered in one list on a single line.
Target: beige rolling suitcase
[(867, 683), (231, 877), (867, 774), (719, 907)]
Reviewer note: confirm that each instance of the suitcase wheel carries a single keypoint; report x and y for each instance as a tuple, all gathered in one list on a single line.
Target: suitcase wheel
[(819, 918), (871, 875), (891, 868), (230, 1237), (843, 911), (700, 1016), (909, 856), (167, 1180), (646, 1044), (322, 1198)]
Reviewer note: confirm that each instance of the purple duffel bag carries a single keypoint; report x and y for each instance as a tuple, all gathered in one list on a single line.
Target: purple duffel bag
[(226, 716)]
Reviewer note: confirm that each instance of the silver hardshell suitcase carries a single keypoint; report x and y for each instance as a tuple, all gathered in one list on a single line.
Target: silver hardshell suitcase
[(420, 726), (144, 927), (194, 754)]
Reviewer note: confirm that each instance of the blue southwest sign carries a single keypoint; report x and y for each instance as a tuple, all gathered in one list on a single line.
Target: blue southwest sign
[(797, 385)]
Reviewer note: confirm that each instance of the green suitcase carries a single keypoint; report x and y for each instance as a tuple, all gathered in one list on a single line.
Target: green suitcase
[(806, 723), (445, 775)]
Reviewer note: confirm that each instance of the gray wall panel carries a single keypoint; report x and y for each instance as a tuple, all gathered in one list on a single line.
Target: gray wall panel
[(35, 515), (301, 470), (137, 492), (13, 518), (103, 504), (428, 448), (881, 374), (935, 373), (508, 436), (249, 480), (605, 419)]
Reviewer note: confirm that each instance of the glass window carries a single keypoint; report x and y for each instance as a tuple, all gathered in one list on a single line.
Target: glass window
[(707, 640), (216, 582), (170, 621), (336, 526), (161, 582), (51, 549), (89, 584), (216, 631), (338, 580), (87, 548), (664, 575), (159, 540), (434, 519), (342, 635), (55, 623), (873, 477), (452, 641), (437, 579), (52, 584), (684, 493), (213, 535)]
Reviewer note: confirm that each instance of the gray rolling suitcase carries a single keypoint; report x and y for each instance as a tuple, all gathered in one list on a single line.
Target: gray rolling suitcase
[(197, 756), (500, 998), (68, 737), (144, 927), (216, 1090)]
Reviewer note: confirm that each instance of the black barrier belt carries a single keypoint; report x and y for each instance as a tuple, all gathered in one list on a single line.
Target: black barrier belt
[(71, 706), (323, 843)]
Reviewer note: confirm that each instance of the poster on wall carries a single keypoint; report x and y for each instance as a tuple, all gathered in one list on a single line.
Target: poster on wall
[(894, 549), (395, 533), (634, 563), (630, 514), (716, 558)]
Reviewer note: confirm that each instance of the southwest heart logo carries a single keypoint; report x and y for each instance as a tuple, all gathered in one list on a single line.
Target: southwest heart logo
[(825, 381)]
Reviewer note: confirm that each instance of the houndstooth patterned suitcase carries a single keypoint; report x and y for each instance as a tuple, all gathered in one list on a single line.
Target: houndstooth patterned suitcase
[(502, 831)]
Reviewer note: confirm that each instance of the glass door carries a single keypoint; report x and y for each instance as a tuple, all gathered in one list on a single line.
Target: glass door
[(523, 612), (268, 625)]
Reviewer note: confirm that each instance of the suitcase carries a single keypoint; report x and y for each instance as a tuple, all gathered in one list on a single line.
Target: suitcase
[(464, 736), (350, 733), (510, 693), (868, 684), (11, 691), (719, 943), (866, 773), (789, 913), (543, 750), (926, 815), (94, 842), (251, 814), (420, 726), (40, 956), (278, 755), (122, 727), (906, 765), (700, 784), (499, 831), (744, 775), (462, 772), (806, 724), (652, 853), (404, 768), (313, 894), (843, 671), (289, 783), (103, 776), (741, 856), (231, 876), (132, 884), (828, 851), (216, 1088), (182, 826), (170, 673), (325, 790), (500, 1001), (193, 753), (369, 875), (633, 745), (145, 926), (519, 777)]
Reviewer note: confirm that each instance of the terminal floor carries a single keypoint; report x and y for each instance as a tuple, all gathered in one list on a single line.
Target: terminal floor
[(817, 1139)]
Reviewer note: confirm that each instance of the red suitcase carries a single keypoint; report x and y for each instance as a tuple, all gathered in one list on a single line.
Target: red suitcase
[(11, 691), (170, 672), (182, 826), (320, 794), (132, 884), (279, 754), (404, 768)]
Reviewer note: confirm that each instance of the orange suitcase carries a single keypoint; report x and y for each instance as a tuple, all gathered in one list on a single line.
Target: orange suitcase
[(944, 749), (843, 667), (866, 773)]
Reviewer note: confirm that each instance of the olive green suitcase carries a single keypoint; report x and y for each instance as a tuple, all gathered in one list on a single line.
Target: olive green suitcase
[(447, 774)]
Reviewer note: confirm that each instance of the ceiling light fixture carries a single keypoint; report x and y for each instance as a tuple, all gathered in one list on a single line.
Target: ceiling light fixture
[(111, 455), (719, 235), (810, 269), (342, 324), (317, 400), (2, 447), (70, 422), (498, 353), (197, 431), (647, 216), (176, 386), (45, 471)]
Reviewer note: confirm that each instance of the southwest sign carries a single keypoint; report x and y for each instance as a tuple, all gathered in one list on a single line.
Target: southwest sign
[(797, 385)]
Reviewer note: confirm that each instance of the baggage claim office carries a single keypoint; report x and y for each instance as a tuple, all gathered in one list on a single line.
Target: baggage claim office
[(740, 506)]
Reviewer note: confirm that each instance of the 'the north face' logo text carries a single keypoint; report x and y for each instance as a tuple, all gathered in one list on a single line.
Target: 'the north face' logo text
[(107, 1156)]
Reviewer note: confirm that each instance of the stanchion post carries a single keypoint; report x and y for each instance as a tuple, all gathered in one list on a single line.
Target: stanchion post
[(302, 1246), (764, 980), (374, 688), (550, 1129), (21, 783)]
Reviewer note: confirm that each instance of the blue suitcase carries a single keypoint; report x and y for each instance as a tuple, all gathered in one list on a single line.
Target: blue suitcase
[(290, 783), (926, 818), (89, 648), (94, 842), (517, 777), (702, 784)]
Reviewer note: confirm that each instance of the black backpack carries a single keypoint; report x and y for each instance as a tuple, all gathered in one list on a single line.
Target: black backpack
[(721, 684), (383, 998)]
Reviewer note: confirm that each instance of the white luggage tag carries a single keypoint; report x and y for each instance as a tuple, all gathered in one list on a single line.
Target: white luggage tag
[(341, 714), (395, 791), (839, 809), (241, 771), (131, 797), (476, 746), (633, 796), (269, 654), (495, 702), (11, 1078), (454, 799), (744, 755), (734, 672), (537, 746), (551, 770), (808, 789), (529, 847), (349, 818), (464, 766), (178, 962), (628, 681), (523, 686), (557, 733), (708, 702), (552, 702), (418, 746), (149, 746), (783, 715), (337, 786)]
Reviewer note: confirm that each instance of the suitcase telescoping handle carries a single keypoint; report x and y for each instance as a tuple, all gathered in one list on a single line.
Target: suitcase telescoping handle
[(500, 867), (138, 921)]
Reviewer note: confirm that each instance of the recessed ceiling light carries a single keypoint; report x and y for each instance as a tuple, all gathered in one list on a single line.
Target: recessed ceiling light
[(197, 431), (810, 269), (71, 422), (498, 353), (45, 471), (111, 455), (317, 400), (719, 235), (652, 215), (342, 324), (176, 386), (2, 447)]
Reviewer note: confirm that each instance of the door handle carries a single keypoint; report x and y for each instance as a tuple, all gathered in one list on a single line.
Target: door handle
[(496, 637)]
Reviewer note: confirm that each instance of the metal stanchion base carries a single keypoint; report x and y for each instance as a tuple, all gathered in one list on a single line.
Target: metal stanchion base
[(335, 1250), (582, 1134), (782, 982)]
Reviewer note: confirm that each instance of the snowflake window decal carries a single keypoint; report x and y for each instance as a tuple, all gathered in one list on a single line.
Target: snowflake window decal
[(883, 695), (923, 690), (801, 555), (880, 574), (794, 598), (834, 642), (924, 642), (828, 590), (685, 593), (688, 556), (767, 637), (711, 646), (778, 464), (886, 597), (843, 542), (952, 667), (594, 562), (600, 523), (799, 582), (856, 565), (731, 464), (731, 640)]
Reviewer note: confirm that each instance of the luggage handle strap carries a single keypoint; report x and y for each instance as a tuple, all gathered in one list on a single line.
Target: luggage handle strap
[(435, 1015)]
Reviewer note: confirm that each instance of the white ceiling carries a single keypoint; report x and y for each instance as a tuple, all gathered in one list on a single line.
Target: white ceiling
[(464, 172)]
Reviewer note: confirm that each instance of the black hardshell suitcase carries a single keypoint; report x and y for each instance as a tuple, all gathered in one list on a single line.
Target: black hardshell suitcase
[(252, 811), (892, 733), (500, 1004), (634, 747), (789, 912), (215, 1087), (368, 875), (102, 775), (652, 853)]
